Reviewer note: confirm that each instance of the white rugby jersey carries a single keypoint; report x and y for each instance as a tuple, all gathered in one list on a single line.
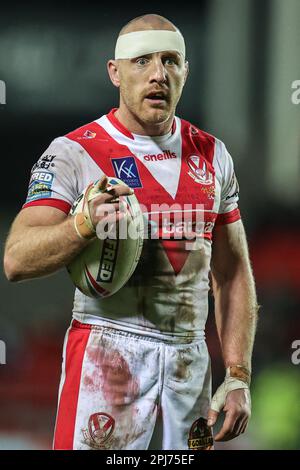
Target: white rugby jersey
[(184, 172)]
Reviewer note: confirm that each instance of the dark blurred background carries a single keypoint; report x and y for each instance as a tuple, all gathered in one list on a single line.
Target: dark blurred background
[(244, 59)]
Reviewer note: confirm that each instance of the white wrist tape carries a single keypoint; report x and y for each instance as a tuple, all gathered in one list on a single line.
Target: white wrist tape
[(82, 221), (138, 43), (229, 384)]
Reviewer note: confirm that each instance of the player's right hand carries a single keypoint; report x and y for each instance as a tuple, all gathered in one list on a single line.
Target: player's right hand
[(233, 397), (107, 207)]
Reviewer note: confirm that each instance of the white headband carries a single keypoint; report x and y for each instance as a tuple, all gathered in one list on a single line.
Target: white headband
[(139, 43)]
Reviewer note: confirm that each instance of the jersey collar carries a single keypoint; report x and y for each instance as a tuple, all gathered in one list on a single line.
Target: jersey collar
[(117, 124)]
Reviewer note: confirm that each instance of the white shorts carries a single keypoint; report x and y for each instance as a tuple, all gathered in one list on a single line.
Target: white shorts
[(115, 384)]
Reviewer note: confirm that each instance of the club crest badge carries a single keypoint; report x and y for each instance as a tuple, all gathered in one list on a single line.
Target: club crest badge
[(198, 169), (100, 428)]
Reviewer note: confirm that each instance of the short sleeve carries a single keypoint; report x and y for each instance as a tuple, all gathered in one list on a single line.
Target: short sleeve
[(228, 209), (53, 179)]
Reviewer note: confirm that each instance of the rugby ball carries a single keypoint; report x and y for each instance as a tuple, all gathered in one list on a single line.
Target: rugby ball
[(106, 264)]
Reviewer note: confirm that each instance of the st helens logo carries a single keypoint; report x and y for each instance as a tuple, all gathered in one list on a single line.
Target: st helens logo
[(99, 430), (198, 169)]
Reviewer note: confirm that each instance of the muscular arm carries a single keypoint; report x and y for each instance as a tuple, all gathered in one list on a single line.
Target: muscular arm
[(234, 292), (236, 316), (42, 240)]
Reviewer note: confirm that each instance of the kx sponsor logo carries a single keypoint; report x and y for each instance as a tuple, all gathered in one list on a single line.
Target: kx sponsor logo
[(126, 169)]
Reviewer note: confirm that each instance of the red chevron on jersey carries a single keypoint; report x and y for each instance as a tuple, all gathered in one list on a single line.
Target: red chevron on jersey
[(107, 149), (185, 183)]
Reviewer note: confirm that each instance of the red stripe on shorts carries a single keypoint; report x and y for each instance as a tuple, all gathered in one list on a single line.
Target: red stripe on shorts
[(67, 408)]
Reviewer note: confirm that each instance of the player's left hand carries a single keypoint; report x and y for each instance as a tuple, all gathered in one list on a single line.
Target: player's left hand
[(237, 409)]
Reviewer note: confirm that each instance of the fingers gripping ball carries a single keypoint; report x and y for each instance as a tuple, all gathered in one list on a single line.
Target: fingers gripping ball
[(80, 209), (107, 263)]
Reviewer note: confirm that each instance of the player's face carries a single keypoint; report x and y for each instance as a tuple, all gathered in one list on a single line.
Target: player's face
[(151, 85)]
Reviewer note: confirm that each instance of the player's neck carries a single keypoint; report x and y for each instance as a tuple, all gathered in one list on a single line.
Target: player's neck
[(138, 127)]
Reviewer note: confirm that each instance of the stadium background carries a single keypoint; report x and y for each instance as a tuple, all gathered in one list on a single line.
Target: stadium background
[(244, 57)]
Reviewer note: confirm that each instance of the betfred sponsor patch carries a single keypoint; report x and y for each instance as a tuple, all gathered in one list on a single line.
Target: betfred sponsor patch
[(41, 176), (40, 185)]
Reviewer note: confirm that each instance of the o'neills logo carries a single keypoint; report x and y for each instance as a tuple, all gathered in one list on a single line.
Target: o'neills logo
[(166, 155), (200, 436)]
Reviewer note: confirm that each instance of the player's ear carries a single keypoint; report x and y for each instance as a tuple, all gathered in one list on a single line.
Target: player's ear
[(113, 72), (187, 69)]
